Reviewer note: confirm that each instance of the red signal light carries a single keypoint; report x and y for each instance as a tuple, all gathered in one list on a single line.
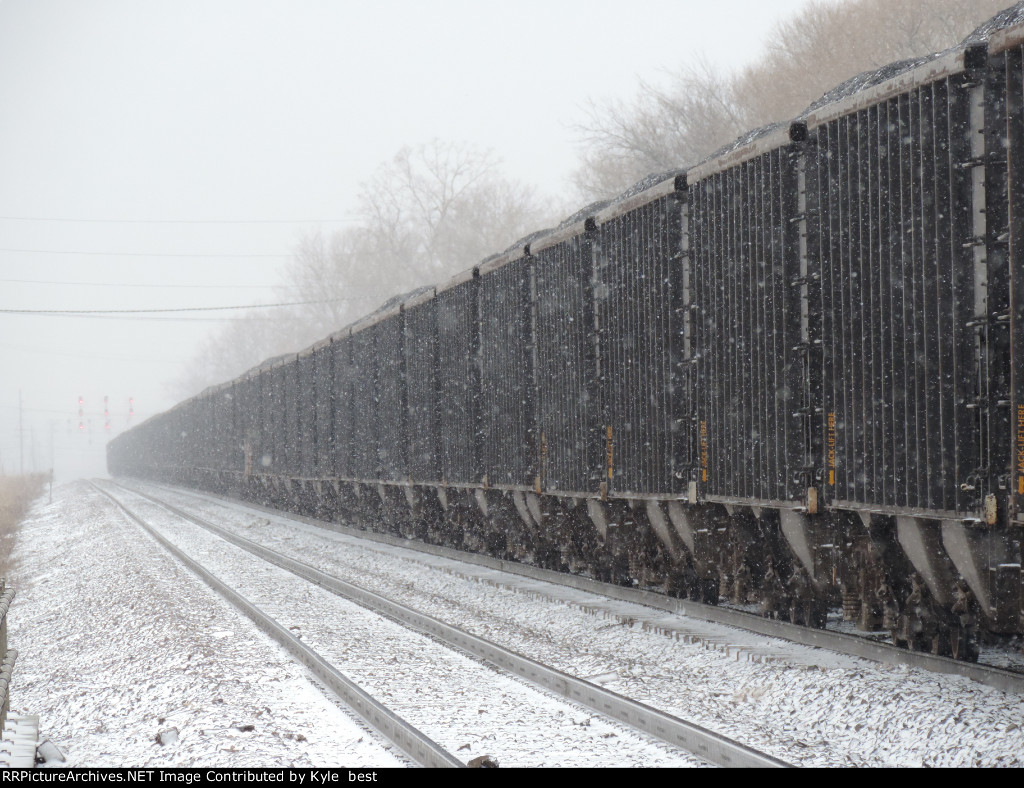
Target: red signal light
[(81, 426)]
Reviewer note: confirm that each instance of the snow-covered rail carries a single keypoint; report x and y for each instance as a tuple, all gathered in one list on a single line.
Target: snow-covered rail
[(713, 747), (805, 705), (18, 735), (7, 655), (392, 661), (419, 747)]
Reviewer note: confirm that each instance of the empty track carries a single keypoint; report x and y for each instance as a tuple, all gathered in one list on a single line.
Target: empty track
[(677, 733)]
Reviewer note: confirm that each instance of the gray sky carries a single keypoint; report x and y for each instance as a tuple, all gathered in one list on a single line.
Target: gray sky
[(195, 119)]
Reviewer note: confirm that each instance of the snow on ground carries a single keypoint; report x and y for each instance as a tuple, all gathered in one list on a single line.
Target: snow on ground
[(813, 707), (467, 707), (117, 643)]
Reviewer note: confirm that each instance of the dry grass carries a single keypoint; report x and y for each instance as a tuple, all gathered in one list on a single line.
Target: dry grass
[(16, 495)]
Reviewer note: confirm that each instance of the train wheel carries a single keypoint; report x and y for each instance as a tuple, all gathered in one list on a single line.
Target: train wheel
[(962, 646), (941, 645), (675, 584)]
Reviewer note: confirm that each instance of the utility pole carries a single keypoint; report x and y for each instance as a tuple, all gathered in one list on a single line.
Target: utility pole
[(52, 422), (21, 434)]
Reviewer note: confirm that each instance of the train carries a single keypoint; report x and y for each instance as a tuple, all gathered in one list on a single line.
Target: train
[(789, 378)]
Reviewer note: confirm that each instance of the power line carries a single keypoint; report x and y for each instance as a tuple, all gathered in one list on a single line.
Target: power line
[(153, 311), (128, 315), (159, 286), (159, 319), (141, 254), (172, 221)]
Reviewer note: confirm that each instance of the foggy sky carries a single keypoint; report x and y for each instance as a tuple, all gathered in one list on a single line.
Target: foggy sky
[(224, 112)]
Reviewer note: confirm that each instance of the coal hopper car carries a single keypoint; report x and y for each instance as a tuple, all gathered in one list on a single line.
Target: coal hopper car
[(791, 376)]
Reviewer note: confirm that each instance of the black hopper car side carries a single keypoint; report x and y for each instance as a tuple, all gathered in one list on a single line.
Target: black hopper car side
[(792, 376)]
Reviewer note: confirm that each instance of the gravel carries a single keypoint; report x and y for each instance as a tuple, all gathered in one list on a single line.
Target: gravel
[(801, 704)]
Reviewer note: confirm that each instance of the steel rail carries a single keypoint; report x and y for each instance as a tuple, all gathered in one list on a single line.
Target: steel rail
[(7, 655), (842, 643), (713, 747), (6, 674), (6, 598), (420, 748)]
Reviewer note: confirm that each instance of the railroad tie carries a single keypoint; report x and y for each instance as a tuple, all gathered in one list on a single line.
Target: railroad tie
[(18, 742)]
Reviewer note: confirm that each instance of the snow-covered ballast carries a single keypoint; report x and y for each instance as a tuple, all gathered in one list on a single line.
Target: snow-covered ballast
[(792, 374)]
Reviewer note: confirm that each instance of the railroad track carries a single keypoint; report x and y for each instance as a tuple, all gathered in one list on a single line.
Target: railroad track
[(705, 744), (418, 747), (838, 642)]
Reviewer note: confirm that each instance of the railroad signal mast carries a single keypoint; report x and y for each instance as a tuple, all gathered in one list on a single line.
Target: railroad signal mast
[(85, 423)]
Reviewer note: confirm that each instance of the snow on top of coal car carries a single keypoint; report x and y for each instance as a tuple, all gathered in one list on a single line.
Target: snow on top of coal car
[(639, 193), (263, 366), (748, 146), (388, 309), (519, 246), (651, 188), (1001, 22), (644, 185), (865, 81), (583, 214)]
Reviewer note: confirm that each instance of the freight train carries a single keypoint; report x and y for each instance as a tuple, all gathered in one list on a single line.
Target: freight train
[(791, 376)]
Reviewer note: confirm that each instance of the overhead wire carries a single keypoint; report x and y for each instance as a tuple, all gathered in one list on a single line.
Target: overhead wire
[(144, 254), (159, 319), (171, 221), (174, 309), (149, 314), (139, 285)]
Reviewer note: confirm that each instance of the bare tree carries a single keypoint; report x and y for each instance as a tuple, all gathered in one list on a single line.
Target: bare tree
[(829, 42), (823, 45), (661, 130), (339, 271), (429, 213), (442, 207)]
